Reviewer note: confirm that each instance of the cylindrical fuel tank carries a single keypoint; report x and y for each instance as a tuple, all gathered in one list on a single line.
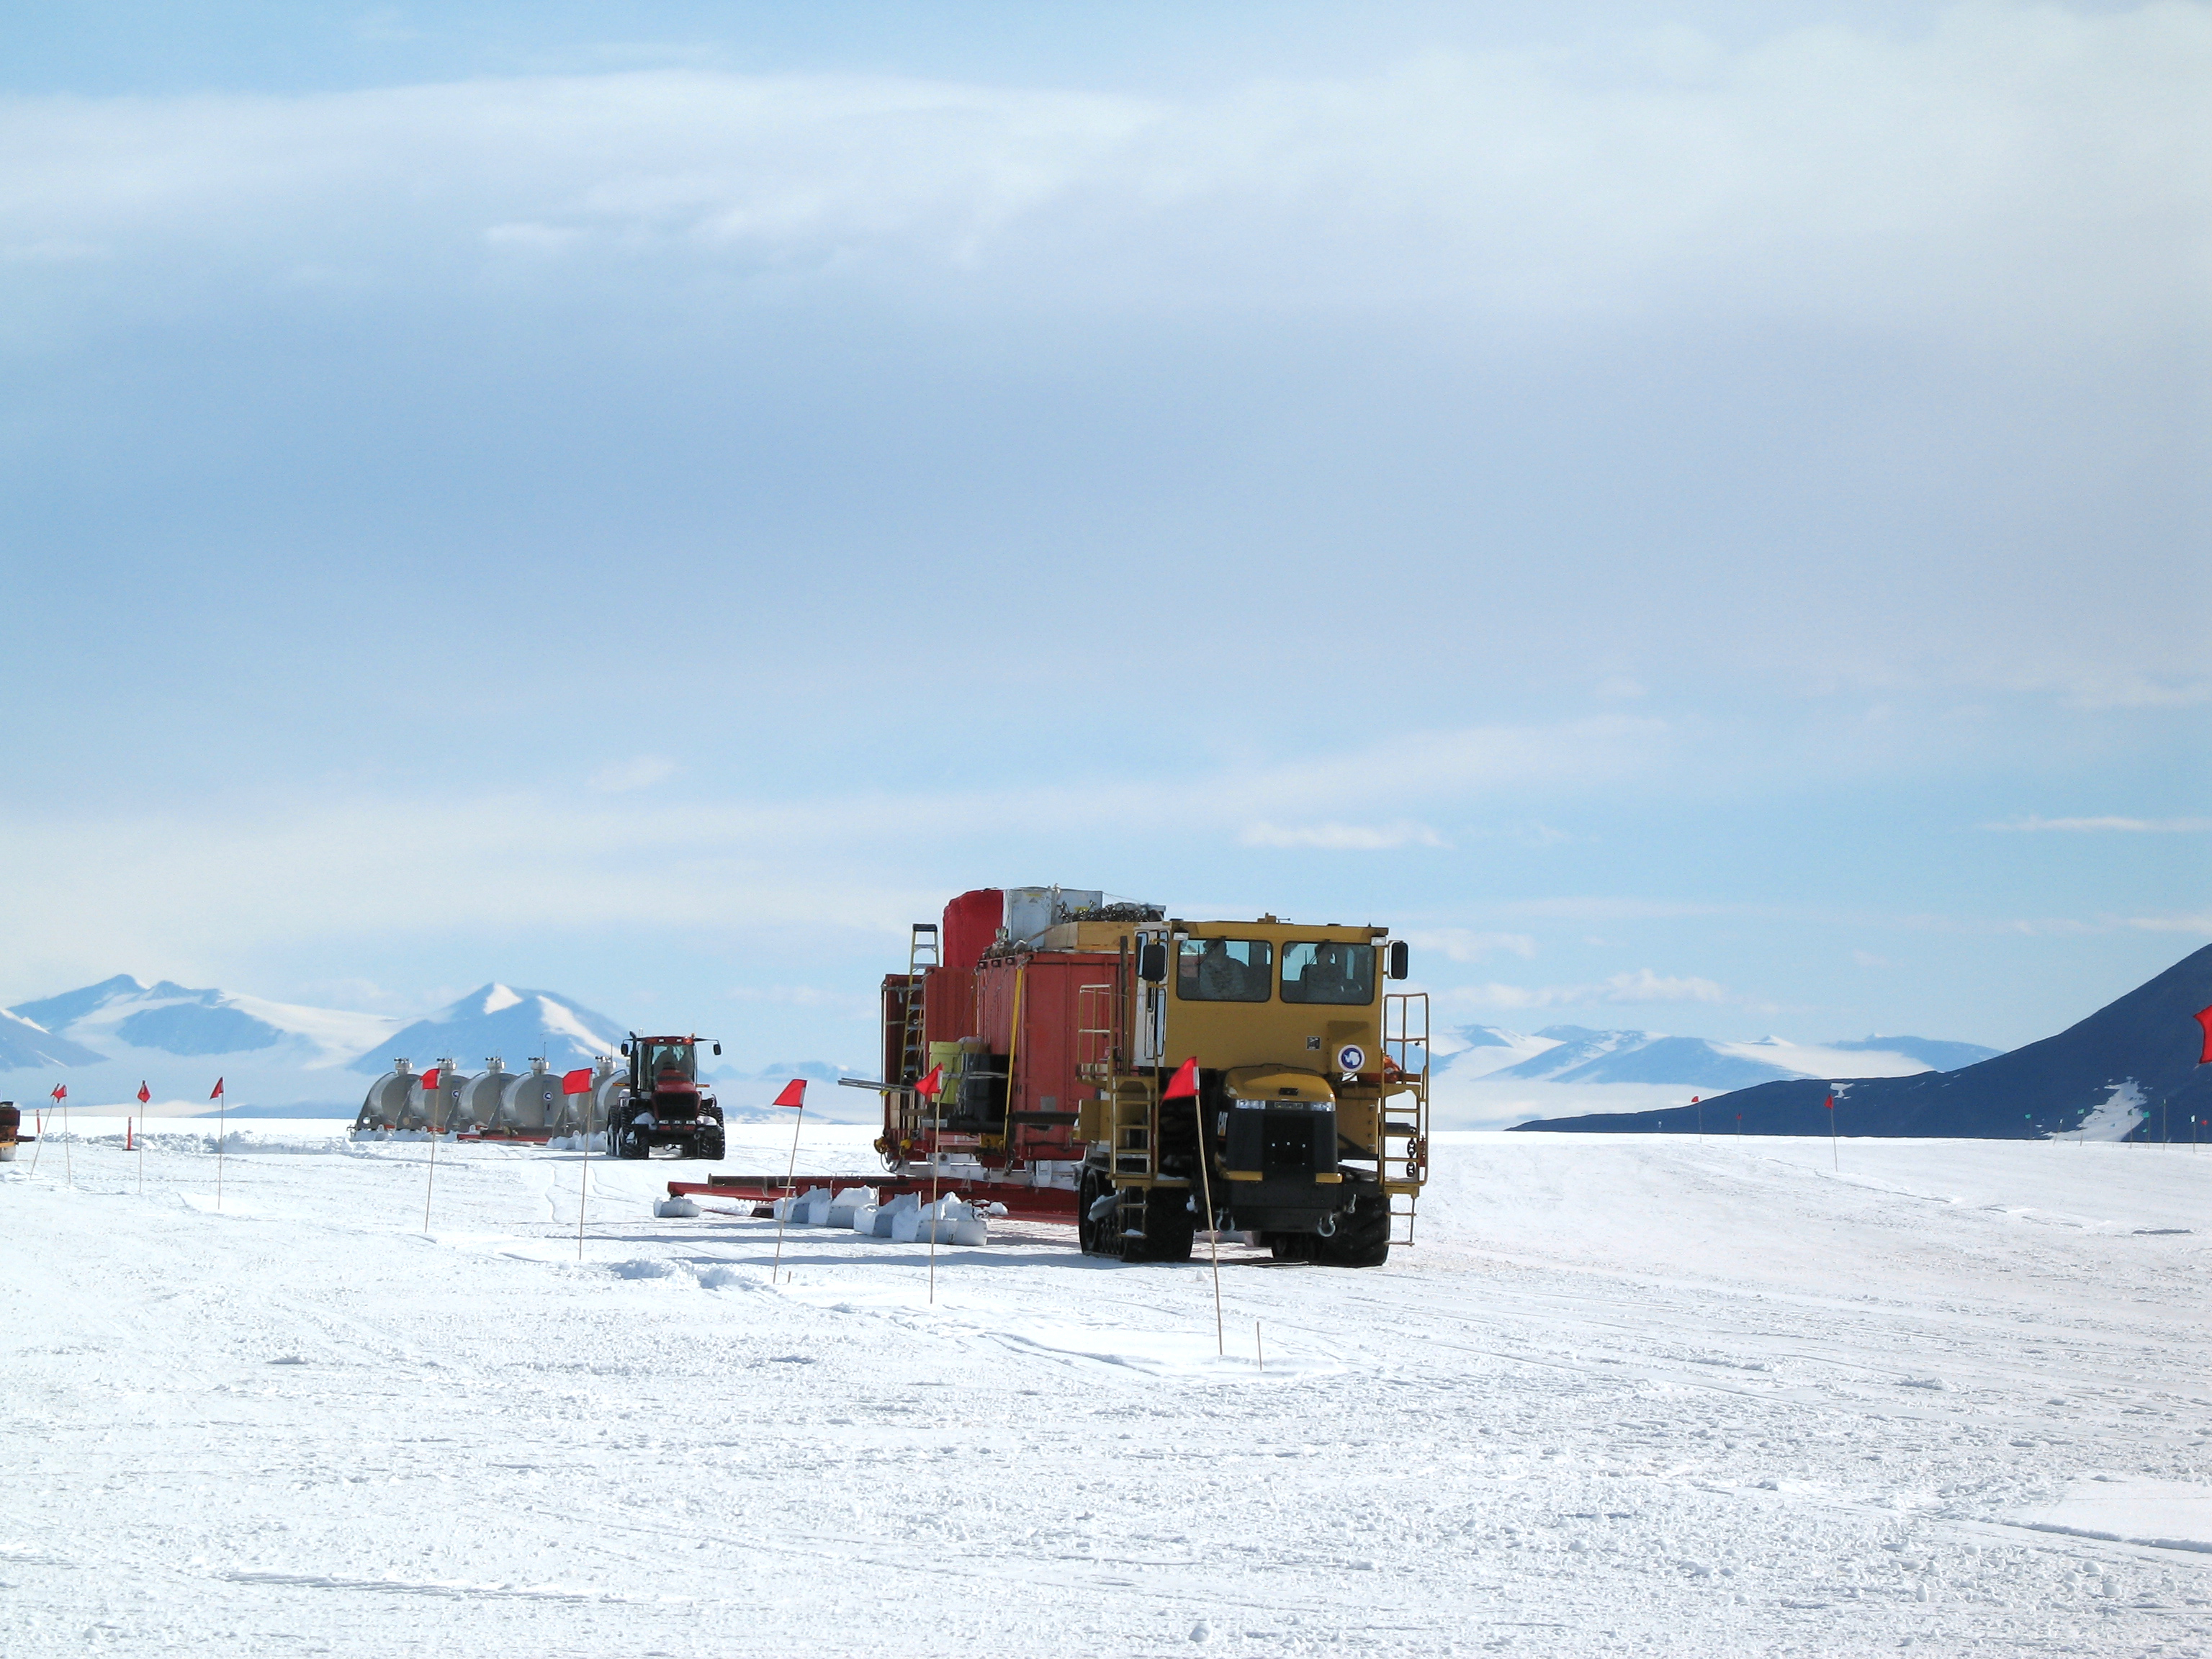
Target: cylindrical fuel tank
[(580, 1112), (481, 1095), (386, 1102), (610, 1091), (531, 1100), (969, 923), (436, 1107)]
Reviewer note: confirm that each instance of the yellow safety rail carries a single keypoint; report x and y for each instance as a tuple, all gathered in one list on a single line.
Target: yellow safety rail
[(1402, 1148)]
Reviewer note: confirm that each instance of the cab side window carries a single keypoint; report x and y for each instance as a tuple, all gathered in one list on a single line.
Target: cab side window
[(1324, 971), (1223, 970)]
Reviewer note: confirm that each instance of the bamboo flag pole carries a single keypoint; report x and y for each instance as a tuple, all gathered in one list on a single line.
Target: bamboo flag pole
[(1212, 1232), (933, 1087), (221, 1136), (145, 1096), (1184, 1086), (794, 1094), (68, 1170), (430, 1121), (584, 1186), (431, 1178), (936, 1168), (38, 1132)]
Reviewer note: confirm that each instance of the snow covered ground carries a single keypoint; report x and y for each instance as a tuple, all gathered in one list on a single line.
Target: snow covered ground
[(1627, 1395)]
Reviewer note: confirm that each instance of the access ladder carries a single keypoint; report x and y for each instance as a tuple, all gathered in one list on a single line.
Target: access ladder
[(1402, 1146)]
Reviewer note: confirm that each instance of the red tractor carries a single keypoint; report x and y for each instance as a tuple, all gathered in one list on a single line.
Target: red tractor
[(666, 1106)]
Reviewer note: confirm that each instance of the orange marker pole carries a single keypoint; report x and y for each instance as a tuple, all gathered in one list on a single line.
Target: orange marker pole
[(794, 1095), (584, 1186)]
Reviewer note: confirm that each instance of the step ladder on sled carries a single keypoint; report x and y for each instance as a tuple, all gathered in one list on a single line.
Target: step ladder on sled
[(1403, 1148)]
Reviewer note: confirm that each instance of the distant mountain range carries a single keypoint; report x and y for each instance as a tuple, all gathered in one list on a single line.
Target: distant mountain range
[(279, 1059), (2128, 1072), (1576, 1054), (496, 1019), (178, 1039), (110, 1036), (25, 1042), (119, 1018)]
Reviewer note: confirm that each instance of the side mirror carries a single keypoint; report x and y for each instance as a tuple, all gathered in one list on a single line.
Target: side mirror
[(625, 1051), (718, 1048), (1401, 958), (1152, 963)]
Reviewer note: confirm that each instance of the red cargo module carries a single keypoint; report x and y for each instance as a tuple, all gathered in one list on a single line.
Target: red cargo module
[(1031, 1009)]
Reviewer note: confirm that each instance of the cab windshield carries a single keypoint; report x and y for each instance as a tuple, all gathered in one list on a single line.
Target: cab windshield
[(1223, 970), (1320, 972), (676, 1059)]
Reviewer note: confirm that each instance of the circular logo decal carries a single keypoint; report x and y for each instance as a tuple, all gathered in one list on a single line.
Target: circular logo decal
[(1351, 1057)]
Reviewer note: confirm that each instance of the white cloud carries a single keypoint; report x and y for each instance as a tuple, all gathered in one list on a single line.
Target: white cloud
[(857, 1006), (1645, 985), (2008, 169), (1462, 944), (152, 886), (2106, 688), (2200, 922), (640, 773), (1593, 909), (1642, 986), (1341, 837), (2151, 826)]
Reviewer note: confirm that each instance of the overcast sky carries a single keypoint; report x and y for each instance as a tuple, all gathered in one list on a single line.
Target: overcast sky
[(1698, 520)]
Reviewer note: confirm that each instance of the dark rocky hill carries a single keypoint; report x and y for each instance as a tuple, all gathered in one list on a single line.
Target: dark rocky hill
[(2128, 1072)]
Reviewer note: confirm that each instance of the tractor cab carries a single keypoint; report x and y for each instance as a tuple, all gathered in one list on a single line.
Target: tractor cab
[(664, 1066)]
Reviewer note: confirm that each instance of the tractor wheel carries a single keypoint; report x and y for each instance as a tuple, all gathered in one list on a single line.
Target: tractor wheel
[(711, 1144), (1090, 1236), (634, 1144), (1170, 1229), (1361, 1238)]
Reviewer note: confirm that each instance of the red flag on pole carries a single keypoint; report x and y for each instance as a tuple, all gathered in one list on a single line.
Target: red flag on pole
[(1831, 1102), (1184, 1083), (933, 1085), (216, 1093), (794, 1094), (143, 1094), (578, 1082), (430, 1079), (61, 1092), (2204, 1018)]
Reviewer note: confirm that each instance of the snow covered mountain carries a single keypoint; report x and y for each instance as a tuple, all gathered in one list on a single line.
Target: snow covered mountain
[(123, 1026), (25, 1042), (1577, 1054), (176, 1040), (1480, 1050), (104, 1040), (2128, 1070), (515, 1025)]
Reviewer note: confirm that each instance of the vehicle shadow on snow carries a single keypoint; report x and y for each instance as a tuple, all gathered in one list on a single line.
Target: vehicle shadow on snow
[(1025, 1252)]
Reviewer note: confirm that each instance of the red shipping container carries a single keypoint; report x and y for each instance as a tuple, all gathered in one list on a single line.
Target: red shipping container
[(1053, 1008), (972, 921), (948, 1004)]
